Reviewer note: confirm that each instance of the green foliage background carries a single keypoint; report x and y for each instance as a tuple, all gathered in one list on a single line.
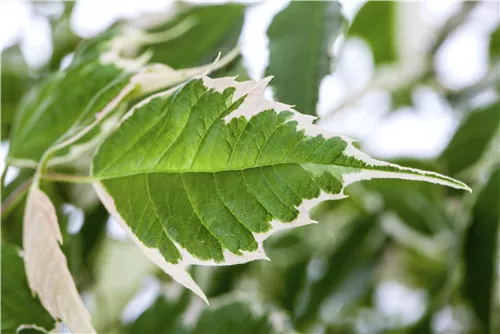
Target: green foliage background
[(323, 278)]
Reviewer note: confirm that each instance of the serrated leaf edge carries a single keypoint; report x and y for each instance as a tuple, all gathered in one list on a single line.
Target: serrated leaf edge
[(254, 104)]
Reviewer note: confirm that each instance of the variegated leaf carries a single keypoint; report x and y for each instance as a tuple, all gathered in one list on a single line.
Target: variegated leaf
[(204, 174), (65, 108)]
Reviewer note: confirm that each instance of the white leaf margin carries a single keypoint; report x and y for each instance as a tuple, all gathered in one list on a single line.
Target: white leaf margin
[(254, 104), (47, 271)]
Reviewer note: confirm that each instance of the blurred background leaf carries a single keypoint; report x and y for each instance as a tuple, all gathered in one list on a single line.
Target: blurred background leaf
[(19, 306), (472, 138), (375, 19), (216, 29), (481, 254), (396, 257), (299, 52)]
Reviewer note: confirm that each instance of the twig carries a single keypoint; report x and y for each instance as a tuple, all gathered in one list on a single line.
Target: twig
[(14, 198)]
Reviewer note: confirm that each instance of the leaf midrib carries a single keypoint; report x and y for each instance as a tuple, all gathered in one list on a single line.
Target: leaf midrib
[(364, 168)]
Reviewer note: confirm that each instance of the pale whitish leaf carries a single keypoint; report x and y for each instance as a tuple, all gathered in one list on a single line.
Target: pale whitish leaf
[(204, 174), (46, 268), (20, 309)]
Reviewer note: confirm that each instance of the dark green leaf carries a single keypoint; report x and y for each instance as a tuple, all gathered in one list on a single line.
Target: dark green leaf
[(300, 40), (19, 307), (481, 250), (471, 139), (93, 231)]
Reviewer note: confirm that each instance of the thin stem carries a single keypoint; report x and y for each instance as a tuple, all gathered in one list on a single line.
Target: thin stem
[(68, 178), (4, 174), (16, 196)]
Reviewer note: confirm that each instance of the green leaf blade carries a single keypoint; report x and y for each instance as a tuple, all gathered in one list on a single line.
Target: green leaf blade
[(204, 174)]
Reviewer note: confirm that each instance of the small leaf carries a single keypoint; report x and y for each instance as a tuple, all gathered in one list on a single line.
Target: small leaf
[(480, 252), (300, 40), (46, 268), (232, 169), (375, 23), (19, 308), (472, 138)]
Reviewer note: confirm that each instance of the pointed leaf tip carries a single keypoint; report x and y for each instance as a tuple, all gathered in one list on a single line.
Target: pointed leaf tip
[(234, 167)]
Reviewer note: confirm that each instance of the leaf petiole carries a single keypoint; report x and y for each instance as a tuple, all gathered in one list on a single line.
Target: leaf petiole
[(67, 178)]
